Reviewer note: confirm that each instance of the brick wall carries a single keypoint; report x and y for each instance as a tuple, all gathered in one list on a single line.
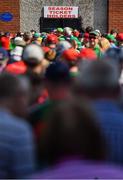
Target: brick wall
[(12, 6), (116, 15)]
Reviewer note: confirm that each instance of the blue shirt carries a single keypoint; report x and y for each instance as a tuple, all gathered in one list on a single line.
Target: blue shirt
[(111, 121), (16, 147)]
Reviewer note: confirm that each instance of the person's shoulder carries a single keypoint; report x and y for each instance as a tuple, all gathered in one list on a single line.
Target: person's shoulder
[(12, 122)]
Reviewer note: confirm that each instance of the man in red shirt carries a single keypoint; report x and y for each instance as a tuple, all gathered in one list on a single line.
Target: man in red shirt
[(5, 41)]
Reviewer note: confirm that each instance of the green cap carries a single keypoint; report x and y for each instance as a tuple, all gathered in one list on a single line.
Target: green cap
[(36, 35), (60, 30), (61, 39)]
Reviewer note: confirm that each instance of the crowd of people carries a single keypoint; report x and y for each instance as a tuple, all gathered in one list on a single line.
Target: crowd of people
[(61, 104)]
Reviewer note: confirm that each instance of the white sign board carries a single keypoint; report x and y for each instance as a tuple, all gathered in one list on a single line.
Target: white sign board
[(60, 12)]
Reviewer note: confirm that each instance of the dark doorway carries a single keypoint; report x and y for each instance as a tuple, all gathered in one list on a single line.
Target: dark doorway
[(48, 24)]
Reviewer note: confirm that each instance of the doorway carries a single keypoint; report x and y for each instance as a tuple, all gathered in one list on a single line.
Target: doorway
[(49, 24)]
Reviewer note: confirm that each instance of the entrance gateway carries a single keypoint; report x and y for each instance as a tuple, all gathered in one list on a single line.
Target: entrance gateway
[(60, 16)]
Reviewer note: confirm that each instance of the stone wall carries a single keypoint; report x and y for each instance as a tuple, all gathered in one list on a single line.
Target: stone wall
[(93, 12), (27, 13), (30, 11), (101, 15)]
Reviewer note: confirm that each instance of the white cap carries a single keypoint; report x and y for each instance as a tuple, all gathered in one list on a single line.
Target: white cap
[(33, 51), (68, 30), (18, 39), (63, 45)]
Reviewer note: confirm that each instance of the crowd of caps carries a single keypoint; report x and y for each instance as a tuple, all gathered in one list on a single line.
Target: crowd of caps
[(61, 104)]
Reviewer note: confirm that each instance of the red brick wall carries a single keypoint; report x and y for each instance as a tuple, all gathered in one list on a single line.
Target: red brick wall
[(12, 6), (116, 15)]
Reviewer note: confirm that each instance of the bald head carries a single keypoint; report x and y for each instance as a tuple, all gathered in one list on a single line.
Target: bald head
[(98, 76), (14, 93), (11, 85)]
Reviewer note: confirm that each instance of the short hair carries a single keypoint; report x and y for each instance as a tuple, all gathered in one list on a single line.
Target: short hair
[(113, 31), (71, 130), (27, 36), (10, 85), (89, 29)]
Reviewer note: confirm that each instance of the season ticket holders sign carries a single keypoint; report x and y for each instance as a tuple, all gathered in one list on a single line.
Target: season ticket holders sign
[(60, 12)]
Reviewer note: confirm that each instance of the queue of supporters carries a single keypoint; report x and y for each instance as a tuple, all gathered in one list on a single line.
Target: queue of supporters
[(61, 104)]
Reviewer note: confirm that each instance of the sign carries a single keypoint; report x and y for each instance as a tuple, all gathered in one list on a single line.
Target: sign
[(6, 17), (60, 12)]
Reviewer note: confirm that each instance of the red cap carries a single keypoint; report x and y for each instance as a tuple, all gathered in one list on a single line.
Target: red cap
[(76, 33), (120, 37), (87, 53), (46, 49), (16, 68), (70, 54), (52, 38), (86, 35)]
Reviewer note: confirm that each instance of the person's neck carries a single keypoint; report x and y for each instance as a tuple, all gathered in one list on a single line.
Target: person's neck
[(5, 106), (59, 94)]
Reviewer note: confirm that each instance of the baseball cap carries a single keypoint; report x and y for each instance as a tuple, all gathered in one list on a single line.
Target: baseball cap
[(18, 41), (87, 53), (76, 33), (93, 34), (68, 30), (33, 53), (120, 37), (16, 68), (98, 31), (70, 54), (51, 38), (36, 35), (60, 29), (57, 72), (62, 46)]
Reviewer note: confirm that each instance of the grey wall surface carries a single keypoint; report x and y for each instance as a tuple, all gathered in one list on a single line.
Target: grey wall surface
[(101, 15), (30, 12)]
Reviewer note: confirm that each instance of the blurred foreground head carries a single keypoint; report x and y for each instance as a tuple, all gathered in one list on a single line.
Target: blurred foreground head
[(99, 79), (71, 132), (115, 56), (57, 80), (14, 94)]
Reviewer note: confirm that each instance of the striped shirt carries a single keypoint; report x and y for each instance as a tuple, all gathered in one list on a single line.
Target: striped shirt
[(110, 119)]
